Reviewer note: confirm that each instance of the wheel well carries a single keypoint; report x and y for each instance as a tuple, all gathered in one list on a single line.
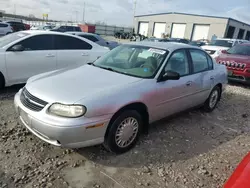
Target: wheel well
[(220, 86), (3, 79), (140, 108)]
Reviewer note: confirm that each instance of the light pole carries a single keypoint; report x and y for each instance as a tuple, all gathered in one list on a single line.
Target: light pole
[(135, 2)]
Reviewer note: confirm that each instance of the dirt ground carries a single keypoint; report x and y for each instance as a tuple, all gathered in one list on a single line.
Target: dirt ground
[(190, 150)]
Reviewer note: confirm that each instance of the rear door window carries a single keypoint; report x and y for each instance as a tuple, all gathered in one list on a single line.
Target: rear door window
[(71, 43), (200, 61), (3, 25)]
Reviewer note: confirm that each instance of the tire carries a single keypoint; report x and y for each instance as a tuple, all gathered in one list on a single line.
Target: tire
[(213, 99), (113, 142), (2, 81)]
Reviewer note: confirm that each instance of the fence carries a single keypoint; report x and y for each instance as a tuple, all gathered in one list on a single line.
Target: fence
[(99, 29), (110, 30)]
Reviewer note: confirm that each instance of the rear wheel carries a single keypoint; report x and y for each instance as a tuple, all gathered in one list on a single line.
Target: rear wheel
[(123, 132), (2, 81), (213, 99)]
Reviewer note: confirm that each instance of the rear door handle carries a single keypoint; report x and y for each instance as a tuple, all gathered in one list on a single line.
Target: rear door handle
[(50, 55), (189, 83), (211, 78)]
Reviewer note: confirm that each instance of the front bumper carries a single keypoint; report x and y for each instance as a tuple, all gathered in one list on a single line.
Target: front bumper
[(64, 132), (239, 76)]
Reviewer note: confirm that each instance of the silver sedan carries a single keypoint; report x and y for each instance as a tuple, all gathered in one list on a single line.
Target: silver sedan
[(114, 99)]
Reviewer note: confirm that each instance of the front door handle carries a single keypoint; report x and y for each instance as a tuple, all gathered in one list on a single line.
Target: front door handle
[(50, 55), (211, 78), (189, 83)]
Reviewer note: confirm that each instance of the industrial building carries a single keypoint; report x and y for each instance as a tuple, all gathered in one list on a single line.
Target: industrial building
[(190, 26)]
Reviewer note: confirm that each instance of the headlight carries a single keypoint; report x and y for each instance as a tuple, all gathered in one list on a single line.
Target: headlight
[(63, 110)]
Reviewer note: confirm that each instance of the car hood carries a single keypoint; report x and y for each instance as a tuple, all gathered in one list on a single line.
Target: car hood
[(71, 85), (234, 58), (214, 48)]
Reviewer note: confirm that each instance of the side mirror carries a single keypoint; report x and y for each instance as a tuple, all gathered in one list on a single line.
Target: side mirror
[(169, 75), (17, 48), (224, 51)]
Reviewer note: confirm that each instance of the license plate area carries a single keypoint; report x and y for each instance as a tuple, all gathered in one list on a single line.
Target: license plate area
[(25, 117), (230, 73)]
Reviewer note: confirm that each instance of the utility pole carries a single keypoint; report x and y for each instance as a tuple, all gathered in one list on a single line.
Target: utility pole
[(83, 15), (135, 3), (15, 10)]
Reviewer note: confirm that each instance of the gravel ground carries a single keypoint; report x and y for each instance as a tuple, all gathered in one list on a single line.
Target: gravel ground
[(192, 149)]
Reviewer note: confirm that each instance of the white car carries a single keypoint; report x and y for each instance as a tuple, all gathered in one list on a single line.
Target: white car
[(215, 47), (28, 53), (5, 29)]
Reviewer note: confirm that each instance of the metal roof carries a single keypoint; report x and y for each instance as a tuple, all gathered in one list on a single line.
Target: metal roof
[(188, 14)]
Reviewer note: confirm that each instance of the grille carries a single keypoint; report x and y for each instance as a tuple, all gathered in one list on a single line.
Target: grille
[(32, 102), (233, 65)]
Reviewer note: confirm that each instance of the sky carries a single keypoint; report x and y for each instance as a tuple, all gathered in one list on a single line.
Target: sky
[(120, 12)]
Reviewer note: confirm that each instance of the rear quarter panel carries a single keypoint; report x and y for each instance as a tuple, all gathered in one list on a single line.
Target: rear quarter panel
[(220, 75)]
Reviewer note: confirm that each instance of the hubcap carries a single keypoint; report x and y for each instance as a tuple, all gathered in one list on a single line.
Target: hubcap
[(126, 132), (213, 99)]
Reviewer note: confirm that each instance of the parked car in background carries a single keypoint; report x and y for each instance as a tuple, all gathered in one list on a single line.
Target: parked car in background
[(16, 26), (43, 27), (112, 100), (27, 26), (5, 29), (215, 47), (66, 28), (97, 39), (180, 40), (237, 61), (153, 39), (197, 43), (27, 53)]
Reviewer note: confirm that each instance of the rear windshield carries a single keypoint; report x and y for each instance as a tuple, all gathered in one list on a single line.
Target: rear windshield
[(240, 50), (11, 38)]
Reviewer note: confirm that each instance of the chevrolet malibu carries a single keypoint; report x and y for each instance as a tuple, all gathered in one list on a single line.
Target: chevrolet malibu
[(113, 100)]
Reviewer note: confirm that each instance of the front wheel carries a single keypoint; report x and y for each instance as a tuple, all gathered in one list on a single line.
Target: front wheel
[(213, 99), (123, 132)]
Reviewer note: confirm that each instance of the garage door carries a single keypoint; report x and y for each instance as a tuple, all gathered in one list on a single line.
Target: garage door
[(200, 32), (178, 30), (143, 28), (159, 29)]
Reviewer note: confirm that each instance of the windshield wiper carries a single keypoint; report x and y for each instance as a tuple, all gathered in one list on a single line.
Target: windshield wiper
[(108, 68), (91, 64)]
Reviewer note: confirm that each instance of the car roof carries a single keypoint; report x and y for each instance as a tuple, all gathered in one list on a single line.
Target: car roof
[(171, 46), (79, 32), (37, 32)]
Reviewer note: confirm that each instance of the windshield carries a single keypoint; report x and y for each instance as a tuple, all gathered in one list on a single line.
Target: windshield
[(223, 43), (133, 60), (240, 50), (11, 38)]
